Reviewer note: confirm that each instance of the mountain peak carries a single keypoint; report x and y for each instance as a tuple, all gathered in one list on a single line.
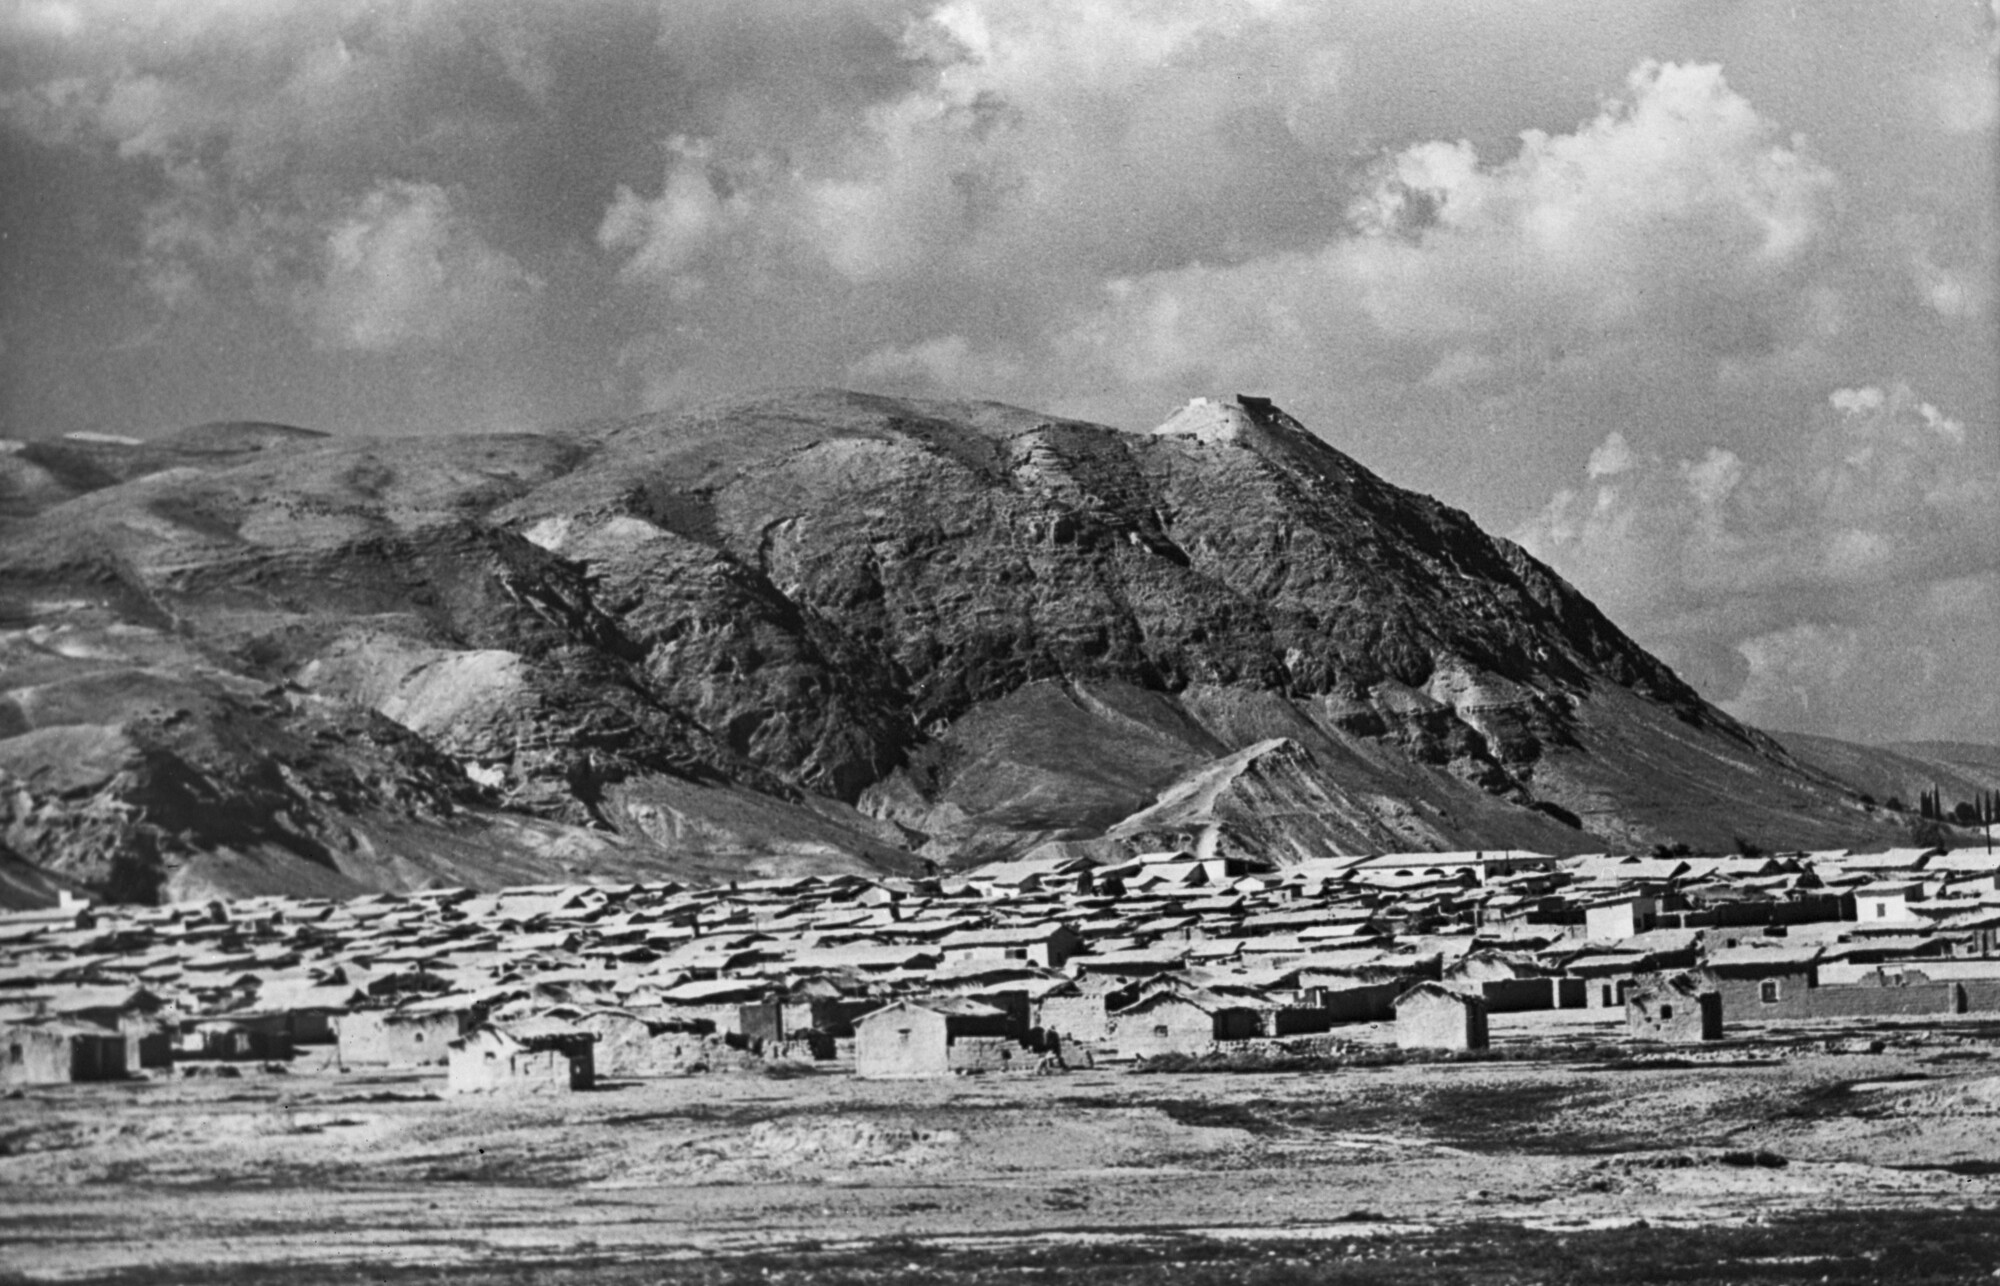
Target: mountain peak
[(818, 629), (1211, 419)]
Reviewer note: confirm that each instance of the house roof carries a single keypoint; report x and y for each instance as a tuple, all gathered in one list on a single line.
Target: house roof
[(1004, 935), (950, 1006), (1181, 994), (535, 1031), (1754, 959), (1434, 991), (1681, 983)]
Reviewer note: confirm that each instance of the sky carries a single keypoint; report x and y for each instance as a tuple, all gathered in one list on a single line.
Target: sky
[(1693, 299)]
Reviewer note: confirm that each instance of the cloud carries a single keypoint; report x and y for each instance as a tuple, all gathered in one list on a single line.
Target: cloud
[(1960, 91), (42, 19), (1677, 199), (948, 362), (404, 268), (1678, 226), (1869, 544), (1009, 124), (1611, 458), (269, 133)]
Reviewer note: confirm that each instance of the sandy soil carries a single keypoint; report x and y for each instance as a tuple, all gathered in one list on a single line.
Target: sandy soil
[(163, 1178)]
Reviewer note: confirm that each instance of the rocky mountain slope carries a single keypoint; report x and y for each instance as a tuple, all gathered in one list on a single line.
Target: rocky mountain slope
[(808, 631)]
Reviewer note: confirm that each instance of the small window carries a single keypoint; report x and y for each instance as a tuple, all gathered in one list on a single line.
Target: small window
[(1017, 953), (1161, 1030), (14, 1054), (417, 1036), (1768, 991), (1666, 1012), (1607, 995), (903, 1035), (1881, 910)]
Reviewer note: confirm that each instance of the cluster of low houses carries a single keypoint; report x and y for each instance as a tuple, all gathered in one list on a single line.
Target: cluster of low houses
[(1049, 961)]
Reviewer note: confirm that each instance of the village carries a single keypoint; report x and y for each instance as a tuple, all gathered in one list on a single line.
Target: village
[(1023, 967)]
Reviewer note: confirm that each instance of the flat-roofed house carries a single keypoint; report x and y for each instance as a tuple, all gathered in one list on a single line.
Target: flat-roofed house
[(1885, 902), (1075, 1012), (525, 1056), (1679, 1008), (50, 1052), (1030, 874), (408, 1037), (1761, 982), (1433, 1016), (1047, 945), (918, 1038), (1619, 918), (629, 1045), (134, 1012), (1179, 1021)]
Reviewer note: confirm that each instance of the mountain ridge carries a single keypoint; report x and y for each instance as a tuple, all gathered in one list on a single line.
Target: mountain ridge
[(922, 631)]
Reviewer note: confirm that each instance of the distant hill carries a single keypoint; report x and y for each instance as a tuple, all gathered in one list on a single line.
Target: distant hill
[(40, 474), (1902, 770), (813, 630)]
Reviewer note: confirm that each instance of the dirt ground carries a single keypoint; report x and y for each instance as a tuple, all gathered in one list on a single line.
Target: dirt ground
[(352, 1177)]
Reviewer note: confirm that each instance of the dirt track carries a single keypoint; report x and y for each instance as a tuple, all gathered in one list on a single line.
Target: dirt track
[(164, 1178)]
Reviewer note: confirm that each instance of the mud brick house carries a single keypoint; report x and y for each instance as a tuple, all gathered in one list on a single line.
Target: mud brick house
[(1047, 945), (821, 1009), (1171, 1021), (1617, 919), (58, 1052), (233, 1038), (1512, 983), (1889, 992), (529, 1056), (1677, 1008), (1886, 902), (628, 1045), (1606, 974), (307, 1013), (1352, 997), (1129, 962), (133, 1012), (1765, 982), (1033, 874), (1199, 867), (719, 1001), (762, 1023), (1073, 1017), (1433, 1016), (915, 1038), (399, 1037)]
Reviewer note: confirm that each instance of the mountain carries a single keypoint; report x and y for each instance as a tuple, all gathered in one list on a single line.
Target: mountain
[(810, 631), (1958, 771)]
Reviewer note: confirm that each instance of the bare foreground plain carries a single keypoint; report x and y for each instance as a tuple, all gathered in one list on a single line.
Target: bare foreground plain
[(1788, 1155)]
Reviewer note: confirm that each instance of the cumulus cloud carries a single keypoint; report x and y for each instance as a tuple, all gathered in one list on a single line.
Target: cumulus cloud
[(1870, 544), (264, 129), (1960, 91), (1677, 203), (1022, 154), (1611, 457), (1678, 225), (948, 362), (404, 268)]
